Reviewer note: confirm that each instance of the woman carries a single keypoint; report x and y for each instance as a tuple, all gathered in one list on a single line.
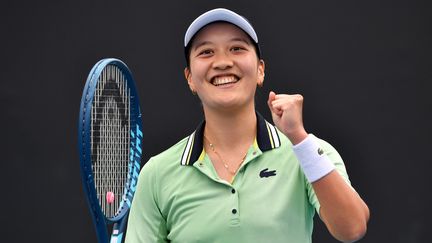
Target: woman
[(238, 178)]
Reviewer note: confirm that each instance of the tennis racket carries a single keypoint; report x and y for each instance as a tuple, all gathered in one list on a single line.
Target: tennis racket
[(110, 140)]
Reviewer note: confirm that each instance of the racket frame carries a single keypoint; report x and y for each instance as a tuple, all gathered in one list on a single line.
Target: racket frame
[(84, 133)]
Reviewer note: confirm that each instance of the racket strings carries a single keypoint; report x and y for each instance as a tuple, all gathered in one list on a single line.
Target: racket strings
[(110, 139)]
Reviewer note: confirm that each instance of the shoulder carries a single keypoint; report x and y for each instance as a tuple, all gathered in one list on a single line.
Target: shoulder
[(161, 169), (168, 158)]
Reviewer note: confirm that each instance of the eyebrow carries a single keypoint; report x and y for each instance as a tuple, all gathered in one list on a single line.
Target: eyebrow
[(231, 40)]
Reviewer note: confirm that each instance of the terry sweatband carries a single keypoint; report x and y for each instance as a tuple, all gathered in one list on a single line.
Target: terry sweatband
[(313, 161)]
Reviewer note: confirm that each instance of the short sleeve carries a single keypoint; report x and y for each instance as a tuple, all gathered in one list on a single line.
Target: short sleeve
[(336, 159), (146, 223)]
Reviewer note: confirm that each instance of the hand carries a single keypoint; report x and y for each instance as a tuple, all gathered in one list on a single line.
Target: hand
[(287, 115)]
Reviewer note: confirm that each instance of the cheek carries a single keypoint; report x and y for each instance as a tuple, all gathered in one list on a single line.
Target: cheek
[(197, 69), (251, 68), (250, 63)]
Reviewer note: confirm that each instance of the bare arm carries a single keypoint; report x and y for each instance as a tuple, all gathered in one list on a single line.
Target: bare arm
[(343, 211)]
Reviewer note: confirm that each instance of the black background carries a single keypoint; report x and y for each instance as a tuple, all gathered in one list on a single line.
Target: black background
[(364, 68)]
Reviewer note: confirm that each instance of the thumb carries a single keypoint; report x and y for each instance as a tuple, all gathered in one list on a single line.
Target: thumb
[(271, 98)]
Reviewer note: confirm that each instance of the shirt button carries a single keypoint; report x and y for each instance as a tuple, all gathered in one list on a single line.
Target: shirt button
[(233, 191), (254, 153), (234, 211)]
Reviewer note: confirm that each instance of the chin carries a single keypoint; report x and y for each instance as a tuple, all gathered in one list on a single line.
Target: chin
[(231, 105)]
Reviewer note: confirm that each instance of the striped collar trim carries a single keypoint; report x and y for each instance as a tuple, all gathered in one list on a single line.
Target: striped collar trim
[(267, 138)]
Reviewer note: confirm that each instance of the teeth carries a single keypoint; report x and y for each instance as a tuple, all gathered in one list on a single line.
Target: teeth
[(224, 80)]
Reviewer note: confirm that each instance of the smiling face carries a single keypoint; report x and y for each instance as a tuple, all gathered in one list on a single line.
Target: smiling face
[(224, 69)]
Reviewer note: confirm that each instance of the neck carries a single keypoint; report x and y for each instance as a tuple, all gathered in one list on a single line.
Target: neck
[(230, 130)]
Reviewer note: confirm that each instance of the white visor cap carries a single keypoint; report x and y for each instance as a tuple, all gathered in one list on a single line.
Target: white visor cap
[(219, 14)]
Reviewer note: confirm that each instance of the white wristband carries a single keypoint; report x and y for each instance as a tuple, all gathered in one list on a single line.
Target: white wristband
[(313, 161)]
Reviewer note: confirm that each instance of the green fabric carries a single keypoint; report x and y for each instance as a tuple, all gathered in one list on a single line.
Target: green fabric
[(181, 203)]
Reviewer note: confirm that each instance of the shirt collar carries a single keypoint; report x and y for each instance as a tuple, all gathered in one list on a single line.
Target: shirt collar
[(267, 139)]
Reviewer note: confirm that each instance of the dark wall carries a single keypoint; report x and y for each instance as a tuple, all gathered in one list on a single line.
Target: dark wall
[(364, 68)]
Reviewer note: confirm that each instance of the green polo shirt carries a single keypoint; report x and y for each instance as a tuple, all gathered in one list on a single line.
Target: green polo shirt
[(180, 197)]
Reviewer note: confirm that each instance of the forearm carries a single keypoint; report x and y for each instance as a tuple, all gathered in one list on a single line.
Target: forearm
[(342, 210)]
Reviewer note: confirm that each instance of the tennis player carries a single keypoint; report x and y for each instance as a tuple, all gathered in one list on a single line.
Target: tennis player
[(238, 178)]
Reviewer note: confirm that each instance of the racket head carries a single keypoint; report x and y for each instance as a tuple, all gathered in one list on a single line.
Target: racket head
[(110, 142)]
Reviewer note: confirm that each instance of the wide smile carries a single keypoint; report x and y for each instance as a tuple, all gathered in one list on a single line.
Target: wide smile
[(224, 80)]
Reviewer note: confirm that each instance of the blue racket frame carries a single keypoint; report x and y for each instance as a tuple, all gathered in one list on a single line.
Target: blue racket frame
[(84, 144)]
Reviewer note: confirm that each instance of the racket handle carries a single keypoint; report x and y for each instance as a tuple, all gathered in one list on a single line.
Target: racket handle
[(119, 230), (116, 236)]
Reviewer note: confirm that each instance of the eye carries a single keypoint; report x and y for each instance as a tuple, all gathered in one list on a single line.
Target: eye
[(237, 48), (205, 52)]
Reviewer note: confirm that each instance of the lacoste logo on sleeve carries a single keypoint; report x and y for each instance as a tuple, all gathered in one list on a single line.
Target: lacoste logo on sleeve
[(266, 173)]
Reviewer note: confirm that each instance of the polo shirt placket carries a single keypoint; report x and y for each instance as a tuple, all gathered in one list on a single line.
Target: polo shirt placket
[(204, 165), (181, 198), (231, 197)]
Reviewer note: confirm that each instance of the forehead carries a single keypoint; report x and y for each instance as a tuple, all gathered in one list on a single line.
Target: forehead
[(220, 30)]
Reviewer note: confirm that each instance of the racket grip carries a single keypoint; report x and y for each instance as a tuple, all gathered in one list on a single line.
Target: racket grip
[(118, 230)]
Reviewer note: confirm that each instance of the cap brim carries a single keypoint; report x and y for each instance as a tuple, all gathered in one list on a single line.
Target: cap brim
[(219, 14)]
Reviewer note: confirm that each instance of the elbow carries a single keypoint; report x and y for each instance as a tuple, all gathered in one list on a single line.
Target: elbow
[(354, 230), (354, 234)]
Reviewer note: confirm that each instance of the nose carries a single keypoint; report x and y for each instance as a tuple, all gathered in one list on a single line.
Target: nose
[(222, 61)]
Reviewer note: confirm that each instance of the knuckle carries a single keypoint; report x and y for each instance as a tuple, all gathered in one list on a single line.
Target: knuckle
[(299, 97)]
